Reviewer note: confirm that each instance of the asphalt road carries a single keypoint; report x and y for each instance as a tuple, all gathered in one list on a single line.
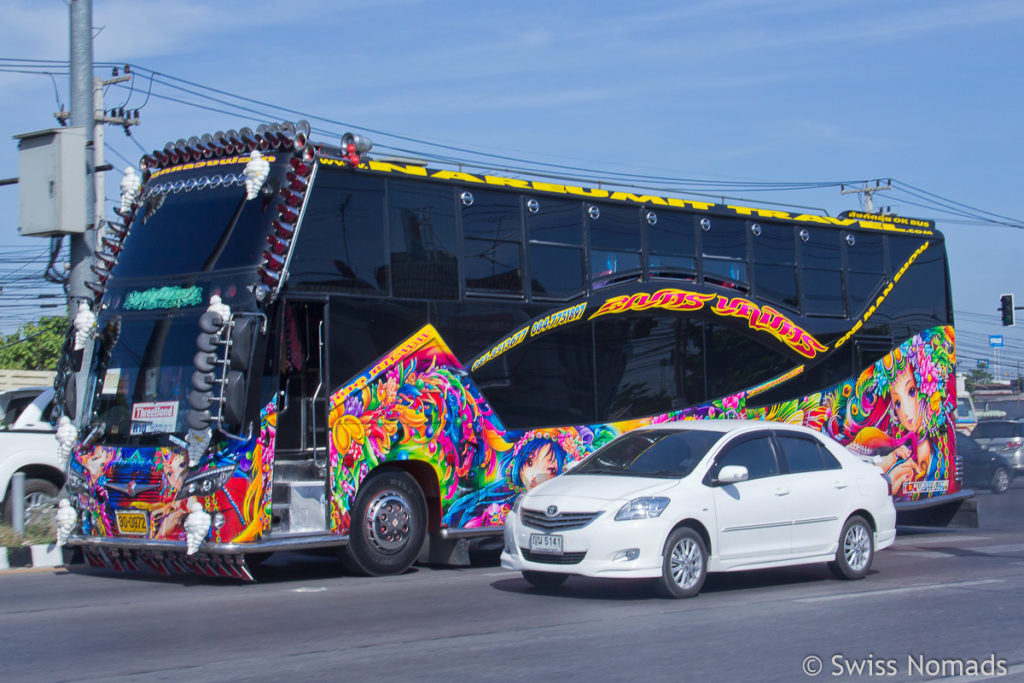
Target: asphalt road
[(952, 595)]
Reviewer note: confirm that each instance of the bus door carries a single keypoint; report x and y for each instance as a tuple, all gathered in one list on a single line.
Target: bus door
[(300, 459)]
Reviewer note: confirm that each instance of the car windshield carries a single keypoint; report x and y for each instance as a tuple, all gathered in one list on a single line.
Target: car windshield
[(996, 430), (651, 453), (964, 409)]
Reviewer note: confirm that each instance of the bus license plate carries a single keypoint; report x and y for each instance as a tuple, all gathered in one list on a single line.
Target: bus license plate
[(546, 543), (132, 522)]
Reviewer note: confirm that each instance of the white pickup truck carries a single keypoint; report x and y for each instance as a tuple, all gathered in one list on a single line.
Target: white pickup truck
[(28, 444)]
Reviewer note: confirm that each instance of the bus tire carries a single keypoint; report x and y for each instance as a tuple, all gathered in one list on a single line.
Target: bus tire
[(856, 550), (389, 524)]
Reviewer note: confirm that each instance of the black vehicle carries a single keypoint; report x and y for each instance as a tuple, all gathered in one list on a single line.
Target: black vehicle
[(983, 468)]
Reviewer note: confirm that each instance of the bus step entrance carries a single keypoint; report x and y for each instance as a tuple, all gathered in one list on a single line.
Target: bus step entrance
[(299, 498)]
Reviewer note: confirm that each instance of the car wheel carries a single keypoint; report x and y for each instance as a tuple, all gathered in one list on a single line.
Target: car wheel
[(544, 579), (39, 496), (684, 564), (389, 523), (856, 549), (1000, 480)]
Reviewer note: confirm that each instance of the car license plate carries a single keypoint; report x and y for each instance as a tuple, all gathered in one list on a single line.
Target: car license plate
[(546, 543), (132, 522)]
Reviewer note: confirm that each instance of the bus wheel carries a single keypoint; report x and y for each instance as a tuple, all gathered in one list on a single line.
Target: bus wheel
[(389, 523)]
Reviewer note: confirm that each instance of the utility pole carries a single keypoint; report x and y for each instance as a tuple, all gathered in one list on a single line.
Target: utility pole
[(82, 245), (868, 192)]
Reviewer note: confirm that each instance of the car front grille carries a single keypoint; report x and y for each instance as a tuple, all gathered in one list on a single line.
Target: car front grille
[(563, 521), (548, 558)]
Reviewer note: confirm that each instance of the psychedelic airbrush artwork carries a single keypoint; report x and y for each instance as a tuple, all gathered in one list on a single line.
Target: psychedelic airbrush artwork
[(418, 403), (145, 492)]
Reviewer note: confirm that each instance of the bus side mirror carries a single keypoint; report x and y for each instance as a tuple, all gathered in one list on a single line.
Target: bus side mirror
[(71, 396), (233, 399), (242, 335)]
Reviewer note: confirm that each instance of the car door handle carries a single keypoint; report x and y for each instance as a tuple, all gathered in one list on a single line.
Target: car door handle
[(841, 485), (781, 492)]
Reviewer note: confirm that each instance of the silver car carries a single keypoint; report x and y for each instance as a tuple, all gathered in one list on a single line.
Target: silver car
[(1005, 437)]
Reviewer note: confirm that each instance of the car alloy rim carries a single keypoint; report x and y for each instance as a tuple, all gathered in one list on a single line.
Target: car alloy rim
[(36, 507), (1002, 479), (388, 521), (856, 547), (685, 563)]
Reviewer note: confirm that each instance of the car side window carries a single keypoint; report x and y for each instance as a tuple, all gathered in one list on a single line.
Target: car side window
[(806, 455), (756, 454)]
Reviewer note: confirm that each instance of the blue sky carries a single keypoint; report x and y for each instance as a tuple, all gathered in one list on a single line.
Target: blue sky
[(735, 91)]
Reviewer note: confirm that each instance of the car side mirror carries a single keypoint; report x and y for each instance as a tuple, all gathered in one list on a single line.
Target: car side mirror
[(730, 474)]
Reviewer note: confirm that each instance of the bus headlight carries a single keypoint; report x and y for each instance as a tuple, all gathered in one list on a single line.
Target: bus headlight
[(646, 507)]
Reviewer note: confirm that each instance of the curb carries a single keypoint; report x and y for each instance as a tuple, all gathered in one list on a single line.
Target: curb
[(19, 557)]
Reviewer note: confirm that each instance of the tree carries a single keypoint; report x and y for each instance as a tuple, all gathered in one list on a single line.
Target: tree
[(35, 346), (975, 377)]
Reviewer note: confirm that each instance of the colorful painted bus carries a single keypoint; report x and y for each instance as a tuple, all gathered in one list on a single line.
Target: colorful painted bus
[(298, 346)]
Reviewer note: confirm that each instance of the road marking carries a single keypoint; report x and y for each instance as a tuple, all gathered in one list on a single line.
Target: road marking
[(980, 549), (893, 591), (994, 549), (310, 589), (944, 538), (917, 553)]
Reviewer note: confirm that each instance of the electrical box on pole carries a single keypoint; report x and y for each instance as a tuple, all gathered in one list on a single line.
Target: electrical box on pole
[(1006, 309), (52, 182)]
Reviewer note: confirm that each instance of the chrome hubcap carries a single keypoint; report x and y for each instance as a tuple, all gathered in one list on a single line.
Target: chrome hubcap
[(685, 563), (857, 547), (38, 508), (1002, 480), (388, 521)]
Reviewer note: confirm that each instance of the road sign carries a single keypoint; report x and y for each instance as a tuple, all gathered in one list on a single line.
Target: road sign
[(982, 363), (995, 341)]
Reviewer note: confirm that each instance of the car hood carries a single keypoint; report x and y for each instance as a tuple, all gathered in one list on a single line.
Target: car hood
[(596, 489)]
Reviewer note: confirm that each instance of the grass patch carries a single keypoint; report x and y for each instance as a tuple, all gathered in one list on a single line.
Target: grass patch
[(40, 533)]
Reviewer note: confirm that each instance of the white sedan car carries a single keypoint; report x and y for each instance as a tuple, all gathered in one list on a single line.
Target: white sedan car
[(674, 501)]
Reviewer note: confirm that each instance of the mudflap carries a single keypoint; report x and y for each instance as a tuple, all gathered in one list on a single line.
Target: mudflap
[(961, 513), (164, 563)]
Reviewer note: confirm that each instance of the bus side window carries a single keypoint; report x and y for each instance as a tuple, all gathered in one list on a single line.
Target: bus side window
[(340, 246), (424, 261), (492, 242), (671, 243), (865, 269), (821, 272), (648, 364), (555, 231), (774, 250), (724, 252), (614, 233)]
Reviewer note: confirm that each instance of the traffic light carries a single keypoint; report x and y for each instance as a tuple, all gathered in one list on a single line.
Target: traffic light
[(1006, 309)]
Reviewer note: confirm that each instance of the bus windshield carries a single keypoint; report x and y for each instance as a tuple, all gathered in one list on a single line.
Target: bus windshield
[(145, 387), (199, 221)]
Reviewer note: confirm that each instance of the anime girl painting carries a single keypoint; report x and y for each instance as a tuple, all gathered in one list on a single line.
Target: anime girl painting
[(899, 414), (537, 456)]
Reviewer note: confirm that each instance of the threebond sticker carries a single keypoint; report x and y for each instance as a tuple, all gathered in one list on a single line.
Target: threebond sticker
[(154, 418)]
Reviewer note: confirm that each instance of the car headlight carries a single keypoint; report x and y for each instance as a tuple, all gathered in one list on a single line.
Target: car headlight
[(642, 508)]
